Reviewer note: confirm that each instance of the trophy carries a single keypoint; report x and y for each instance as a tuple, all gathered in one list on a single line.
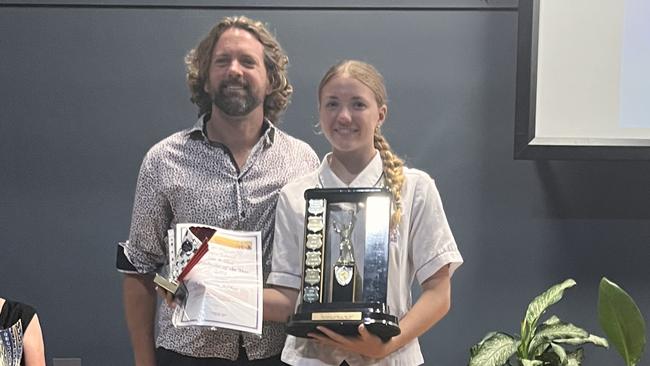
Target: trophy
[(345, 263), (184, 254)]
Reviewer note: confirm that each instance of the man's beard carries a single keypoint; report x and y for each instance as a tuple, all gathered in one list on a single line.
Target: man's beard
[(235, 104)]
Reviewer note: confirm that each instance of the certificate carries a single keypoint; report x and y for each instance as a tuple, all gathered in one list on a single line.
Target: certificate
[(224, 287)]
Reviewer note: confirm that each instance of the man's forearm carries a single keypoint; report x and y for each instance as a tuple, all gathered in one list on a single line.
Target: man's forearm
[(140, 309)]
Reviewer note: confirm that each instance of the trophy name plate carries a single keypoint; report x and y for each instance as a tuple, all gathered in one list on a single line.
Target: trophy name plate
[(345, 263)]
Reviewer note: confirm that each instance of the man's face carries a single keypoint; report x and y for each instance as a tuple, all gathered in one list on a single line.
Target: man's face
[(237, 81)]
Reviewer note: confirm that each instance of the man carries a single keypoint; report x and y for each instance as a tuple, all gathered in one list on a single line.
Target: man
[(225, 171)]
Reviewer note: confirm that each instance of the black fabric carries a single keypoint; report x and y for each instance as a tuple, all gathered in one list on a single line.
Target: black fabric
[(12, 311), (121, 262), (165, 357)]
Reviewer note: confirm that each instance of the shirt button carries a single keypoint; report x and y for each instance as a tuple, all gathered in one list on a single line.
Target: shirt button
[(243, 214), (239, 180)]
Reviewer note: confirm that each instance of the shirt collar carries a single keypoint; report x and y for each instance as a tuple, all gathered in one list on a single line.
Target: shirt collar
[(198, 130), (370, 176)]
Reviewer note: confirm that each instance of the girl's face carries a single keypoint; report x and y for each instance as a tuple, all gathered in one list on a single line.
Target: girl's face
[(349, 115)]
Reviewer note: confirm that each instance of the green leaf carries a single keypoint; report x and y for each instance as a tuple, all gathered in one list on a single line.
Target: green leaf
[(595, 340), (560, 352), (621, 321), (535, 310), (557, 330), (552, 320), (495, 351), (474, 350)]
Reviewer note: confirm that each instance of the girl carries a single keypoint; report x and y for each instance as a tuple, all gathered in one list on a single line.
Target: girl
[(352, 108)]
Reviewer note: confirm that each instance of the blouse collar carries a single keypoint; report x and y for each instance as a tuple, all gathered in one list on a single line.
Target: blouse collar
[(370, 176)]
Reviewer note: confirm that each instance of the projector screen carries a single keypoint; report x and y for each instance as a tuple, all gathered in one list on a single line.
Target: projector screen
[(635, 61), (587, 77)]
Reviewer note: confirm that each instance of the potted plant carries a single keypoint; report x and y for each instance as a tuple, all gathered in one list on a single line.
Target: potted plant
[(538, 344), (544, 344)]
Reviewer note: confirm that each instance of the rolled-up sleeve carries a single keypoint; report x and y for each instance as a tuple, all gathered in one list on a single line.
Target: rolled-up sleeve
[(146, 249), (432, 242), (286, 265)]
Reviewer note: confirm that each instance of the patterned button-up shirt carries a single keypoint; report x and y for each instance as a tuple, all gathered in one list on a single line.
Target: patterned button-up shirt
[(186, 178)]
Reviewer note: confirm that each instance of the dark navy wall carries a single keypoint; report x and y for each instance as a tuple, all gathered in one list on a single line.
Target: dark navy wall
[(85, 90)]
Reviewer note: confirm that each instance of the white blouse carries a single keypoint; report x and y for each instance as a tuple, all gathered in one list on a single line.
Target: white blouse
[(422, 245)]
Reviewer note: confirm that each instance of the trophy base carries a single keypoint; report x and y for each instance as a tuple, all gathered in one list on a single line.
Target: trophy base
[(165, 283), (344, 318), (175, 288)]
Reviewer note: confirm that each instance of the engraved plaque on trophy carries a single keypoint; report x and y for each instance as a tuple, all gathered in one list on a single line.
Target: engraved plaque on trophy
[(345, 263)]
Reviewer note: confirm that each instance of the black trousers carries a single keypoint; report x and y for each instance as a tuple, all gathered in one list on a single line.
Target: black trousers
[(165, 357)]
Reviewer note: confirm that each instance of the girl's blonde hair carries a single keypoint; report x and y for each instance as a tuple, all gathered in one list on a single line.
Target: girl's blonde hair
[(393, 166)]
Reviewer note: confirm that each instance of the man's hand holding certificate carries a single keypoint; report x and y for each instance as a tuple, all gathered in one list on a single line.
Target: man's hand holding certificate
[(221, 271)]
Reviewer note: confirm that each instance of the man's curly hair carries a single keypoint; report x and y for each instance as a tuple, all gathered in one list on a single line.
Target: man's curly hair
[(275, 60)]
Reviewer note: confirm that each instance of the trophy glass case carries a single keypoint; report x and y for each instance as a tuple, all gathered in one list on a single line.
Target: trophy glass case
[(345, 263)]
